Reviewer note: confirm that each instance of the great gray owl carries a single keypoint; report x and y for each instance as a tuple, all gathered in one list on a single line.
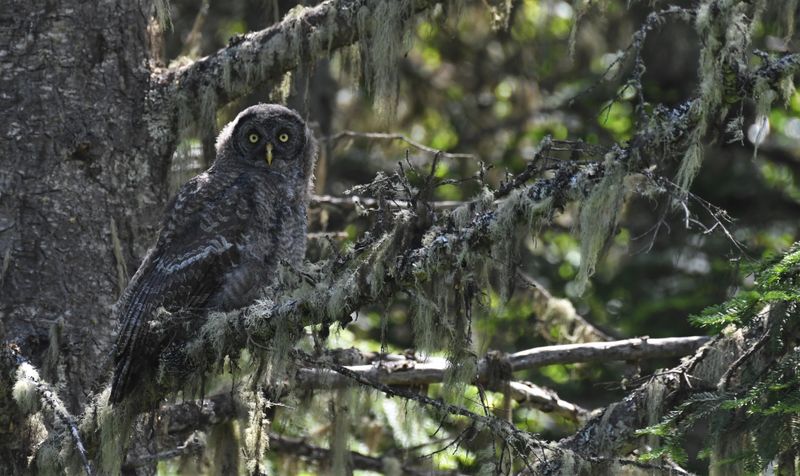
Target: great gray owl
[(223, 235)]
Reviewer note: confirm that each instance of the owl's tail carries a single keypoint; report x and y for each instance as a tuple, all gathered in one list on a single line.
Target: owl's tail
[(121, 382)]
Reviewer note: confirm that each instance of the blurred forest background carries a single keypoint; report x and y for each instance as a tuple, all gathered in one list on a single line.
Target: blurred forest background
[(492, 83), (487, 83)]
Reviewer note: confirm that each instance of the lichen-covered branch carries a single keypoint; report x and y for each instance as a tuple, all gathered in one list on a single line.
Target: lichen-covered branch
[(613, 432), (33, 395), (303, 36)]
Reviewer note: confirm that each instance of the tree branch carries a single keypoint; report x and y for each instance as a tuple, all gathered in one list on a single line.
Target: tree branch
[(629, 349), (304, 35), (613, 431), (397, 370)]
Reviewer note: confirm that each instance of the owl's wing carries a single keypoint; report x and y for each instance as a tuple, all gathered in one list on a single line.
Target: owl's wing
[(198, 243)]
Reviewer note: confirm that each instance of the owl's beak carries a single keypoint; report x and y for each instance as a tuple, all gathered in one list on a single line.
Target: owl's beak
[(269, 153)]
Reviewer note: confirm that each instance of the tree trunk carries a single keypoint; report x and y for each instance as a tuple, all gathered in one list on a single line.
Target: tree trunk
[(84, 174)]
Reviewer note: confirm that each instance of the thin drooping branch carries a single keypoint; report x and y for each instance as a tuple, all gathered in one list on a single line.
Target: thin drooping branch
[(35, 394), (522, 442)]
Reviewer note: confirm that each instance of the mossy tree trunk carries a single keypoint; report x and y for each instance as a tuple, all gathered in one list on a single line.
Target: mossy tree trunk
[(81, 181)]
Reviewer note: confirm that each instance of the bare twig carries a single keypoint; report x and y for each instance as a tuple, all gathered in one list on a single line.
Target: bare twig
[(399, 137), (396, 370)]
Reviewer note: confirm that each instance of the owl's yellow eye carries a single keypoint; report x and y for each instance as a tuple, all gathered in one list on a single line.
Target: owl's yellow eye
[(253, 137), (283, 137)]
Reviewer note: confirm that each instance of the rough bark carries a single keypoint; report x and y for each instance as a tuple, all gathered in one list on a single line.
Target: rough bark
[(79, 174)]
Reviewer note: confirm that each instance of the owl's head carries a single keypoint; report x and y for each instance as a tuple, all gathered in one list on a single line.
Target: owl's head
[(269, 137)]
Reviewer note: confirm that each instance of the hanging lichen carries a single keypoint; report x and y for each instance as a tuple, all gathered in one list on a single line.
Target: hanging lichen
[(163, 14), (725, 28), (342, 415), (256, 440), (384, 38), (425, 322), (598, 217), (114, 425), (764, 97), (224, 449)]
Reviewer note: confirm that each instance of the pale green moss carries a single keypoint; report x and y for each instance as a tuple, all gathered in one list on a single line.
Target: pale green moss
[(340, 434), (223, 446), (114, 424), (690, 165), (25, 390), (764, 96), (425, 322), (48, 459), (384, 37), (163, 14), (598, 218)]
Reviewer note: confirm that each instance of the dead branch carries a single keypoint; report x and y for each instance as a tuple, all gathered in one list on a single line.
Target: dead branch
[(629, 349)]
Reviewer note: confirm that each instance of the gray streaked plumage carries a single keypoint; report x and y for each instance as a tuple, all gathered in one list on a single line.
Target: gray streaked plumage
[(222, 236)]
